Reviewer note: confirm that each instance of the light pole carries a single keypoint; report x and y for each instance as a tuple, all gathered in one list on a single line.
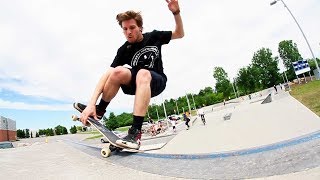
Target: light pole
[(194, 105), (274, 2), (188, 103), (233, 89), (177, 106)]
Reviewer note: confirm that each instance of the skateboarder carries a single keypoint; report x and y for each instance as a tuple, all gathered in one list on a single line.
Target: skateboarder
[(201, 114), (187, 119), (137, 69)]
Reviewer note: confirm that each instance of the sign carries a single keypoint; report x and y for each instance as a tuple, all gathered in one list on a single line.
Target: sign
[(301, 67)]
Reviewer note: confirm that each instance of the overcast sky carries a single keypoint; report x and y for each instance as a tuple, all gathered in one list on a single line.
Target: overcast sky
[(53, 52)]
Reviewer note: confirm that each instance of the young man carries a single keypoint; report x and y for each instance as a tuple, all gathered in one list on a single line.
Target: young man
[(144, 78)]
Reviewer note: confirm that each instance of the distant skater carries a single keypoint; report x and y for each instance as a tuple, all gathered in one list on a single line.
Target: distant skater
[(201, 114), (173, 123), (187, 119)]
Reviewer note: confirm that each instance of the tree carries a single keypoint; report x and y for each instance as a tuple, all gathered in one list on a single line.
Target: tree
[(27, 133), (266, 67), (49, 132), (21, 133), (312, 64), (73, 130), (111, 123), (289, 53), (246, 80), (222, 81), (59, 130)]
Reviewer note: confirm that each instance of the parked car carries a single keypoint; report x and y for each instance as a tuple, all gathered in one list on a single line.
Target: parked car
[(118, 133), (5, 145)]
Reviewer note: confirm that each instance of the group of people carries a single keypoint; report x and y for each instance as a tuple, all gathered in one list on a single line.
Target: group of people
[(156, 128)]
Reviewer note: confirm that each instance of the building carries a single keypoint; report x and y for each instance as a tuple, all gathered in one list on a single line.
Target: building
[(8, 130)]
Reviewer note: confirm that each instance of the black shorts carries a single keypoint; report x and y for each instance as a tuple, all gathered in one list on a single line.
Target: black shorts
[(158, 83)]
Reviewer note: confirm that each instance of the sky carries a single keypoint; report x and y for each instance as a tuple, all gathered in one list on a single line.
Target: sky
[(53, 52)]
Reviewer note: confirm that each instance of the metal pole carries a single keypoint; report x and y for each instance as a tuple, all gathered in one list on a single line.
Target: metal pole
[(284, 81), (237, 90), (285, 75), (165, 111), (194, 105), (157, 113), (234, 90), (177, 106), (304, 36), (188, 104)]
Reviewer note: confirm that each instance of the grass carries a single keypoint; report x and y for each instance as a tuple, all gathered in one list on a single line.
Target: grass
[(308, 94), (95, 137), (123, 129)]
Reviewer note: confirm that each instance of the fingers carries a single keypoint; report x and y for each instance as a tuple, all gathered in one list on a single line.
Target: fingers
[(83, 118)]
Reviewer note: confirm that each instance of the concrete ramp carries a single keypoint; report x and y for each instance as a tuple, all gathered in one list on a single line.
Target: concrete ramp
[(268, 99)]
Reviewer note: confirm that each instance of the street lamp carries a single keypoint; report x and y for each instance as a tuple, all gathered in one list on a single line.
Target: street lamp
[(177, 106), (274, 2), (188, 103), (194, 104)]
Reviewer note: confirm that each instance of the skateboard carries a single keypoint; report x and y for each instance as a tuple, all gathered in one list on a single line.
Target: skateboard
[(109, 135)]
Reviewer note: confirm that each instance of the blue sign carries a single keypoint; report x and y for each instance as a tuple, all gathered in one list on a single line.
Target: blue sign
[(301, 67)]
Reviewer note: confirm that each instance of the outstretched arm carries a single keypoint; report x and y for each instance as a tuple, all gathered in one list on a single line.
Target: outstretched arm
[(90, 110), (173, 6)]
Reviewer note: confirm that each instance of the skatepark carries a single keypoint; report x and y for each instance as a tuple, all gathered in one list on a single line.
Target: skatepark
[(243, 139)]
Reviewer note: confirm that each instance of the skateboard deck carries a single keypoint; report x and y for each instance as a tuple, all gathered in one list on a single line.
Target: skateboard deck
[(109, 135)]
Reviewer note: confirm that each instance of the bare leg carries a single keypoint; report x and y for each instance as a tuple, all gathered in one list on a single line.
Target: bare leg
[(143, 93), (119, 75)]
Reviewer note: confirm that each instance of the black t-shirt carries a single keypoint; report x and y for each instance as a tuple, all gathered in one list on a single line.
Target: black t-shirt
[(145, 54)]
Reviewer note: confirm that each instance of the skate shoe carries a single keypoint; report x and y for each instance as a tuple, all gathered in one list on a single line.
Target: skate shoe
[(132, 140), (80, 107)]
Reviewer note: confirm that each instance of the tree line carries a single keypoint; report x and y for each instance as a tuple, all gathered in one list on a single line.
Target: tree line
[(262, 72), (58, 130)]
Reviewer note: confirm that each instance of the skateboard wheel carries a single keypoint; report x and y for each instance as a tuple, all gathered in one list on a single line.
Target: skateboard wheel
[(105, 152), (75, 117)]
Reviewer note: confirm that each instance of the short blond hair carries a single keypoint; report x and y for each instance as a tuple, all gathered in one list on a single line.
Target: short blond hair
[(130, 15)]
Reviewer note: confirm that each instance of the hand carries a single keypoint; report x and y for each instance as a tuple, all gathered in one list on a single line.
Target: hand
[(88, 111), (173, 5)]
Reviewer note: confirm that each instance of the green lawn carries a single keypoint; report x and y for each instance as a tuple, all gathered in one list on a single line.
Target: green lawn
[(308, 94)]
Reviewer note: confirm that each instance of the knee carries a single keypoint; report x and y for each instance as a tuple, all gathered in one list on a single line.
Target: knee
[(118, 74), (143, 76)]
